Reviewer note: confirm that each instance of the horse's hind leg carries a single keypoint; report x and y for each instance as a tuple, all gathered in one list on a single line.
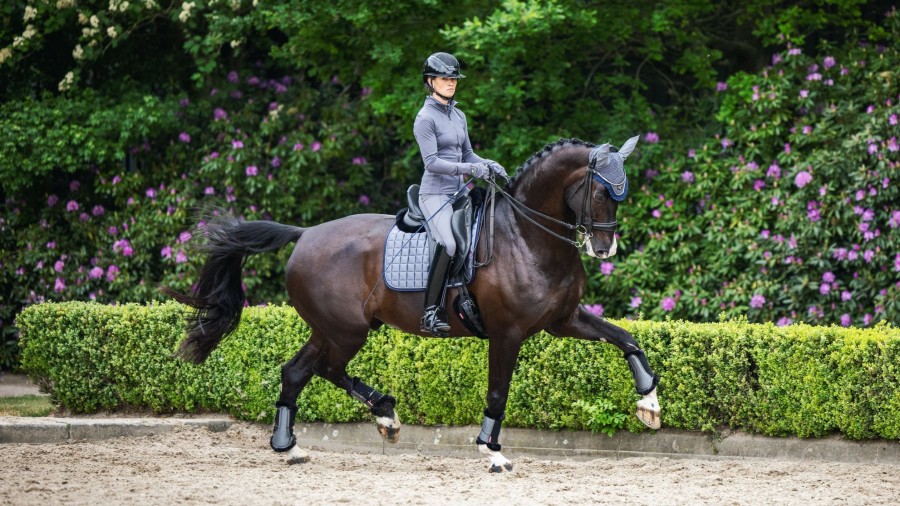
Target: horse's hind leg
[(295, 374), (334, 369)]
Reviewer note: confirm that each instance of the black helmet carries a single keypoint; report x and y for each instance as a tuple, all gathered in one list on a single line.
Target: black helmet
[(441, 65)]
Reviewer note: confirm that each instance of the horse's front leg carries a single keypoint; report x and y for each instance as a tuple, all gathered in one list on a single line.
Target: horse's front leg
[(583, 324), (502, 355)]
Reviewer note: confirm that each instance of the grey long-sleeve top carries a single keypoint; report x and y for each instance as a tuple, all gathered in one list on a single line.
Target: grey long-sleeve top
[(443, 138)]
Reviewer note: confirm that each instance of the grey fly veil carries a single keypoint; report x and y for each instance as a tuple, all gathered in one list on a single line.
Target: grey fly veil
[(608, 168)]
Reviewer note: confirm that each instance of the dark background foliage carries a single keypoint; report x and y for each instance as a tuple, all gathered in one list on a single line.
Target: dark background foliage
[(120, 119)]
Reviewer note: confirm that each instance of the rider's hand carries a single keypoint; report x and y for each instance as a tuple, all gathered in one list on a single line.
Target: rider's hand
[(480, 170), (496, 168)]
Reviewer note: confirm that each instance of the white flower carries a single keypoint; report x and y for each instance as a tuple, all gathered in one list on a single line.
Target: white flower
[(123, 7), (5, 54), (67, 81), (82, 19), (17, 41), (186, 11), (78, 52), (235, 4), (29, 32), (30, 13), (150, 4), (65, 4), (235, 43), (95, 21), (111, 31)]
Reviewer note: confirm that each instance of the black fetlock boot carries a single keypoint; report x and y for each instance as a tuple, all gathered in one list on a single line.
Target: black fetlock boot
[(434, 293)]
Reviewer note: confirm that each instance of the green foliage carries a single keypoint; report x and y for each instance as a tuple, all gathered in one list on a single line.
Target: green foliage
[(119, 119), (797, 380)]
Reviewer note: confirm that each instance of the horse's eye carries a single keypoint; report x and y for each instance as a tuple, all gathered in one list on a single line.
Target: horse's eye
[(601, 195)]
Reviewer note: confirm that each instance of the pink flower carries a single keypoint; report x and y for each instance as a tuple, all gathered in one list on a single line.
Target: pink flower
[(150, 193), (209, 190), (251, 171), (595, 309), (276, 162), (759, 184), (59, 285), (181, 258), (824, 288), (98, 210), (804, 93), (606, 268), (635, 302), (774, 171), (166, 252), (233, 77), (316, 146), (757, 301), (111, 272), (651, 137), (71, 206), (721, 86), (846, 296), (219, 114), (802, 179), (236, 144), (184, 237), (184, 137), (784, 321), (687, 177), (52, 200), (667, 304), (298, 147), (829, 62), (828, 277), (96, 273), (656, 213), (892, 120), (845, 320), (364, 199), (59, 266)]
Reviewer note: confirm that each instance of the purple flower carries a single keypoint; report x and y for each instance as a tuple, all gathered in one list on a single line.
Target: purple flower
[(656, 213), (815, 76), (364, 199), (892, 144), (96, 273), (868, 256), (829, 62), (776, 59), (166, 252), (687, 177), (150, 193), (635, 302), (828, 277), (807, 130), (804, 93), (787, 147), (846, 296), (845, 320), (667, 304), (74, 186), (298, 147), (892, 120), (236, 144), (111, 272), (180, 258), (651, 137), (209, 190), (757, 301), (691, 153), (802, 179), (98, 210), (184, 137), (873, 148), (721, 86), (726, 143), (606, 268), (251, 171), (184, 237), (219, 114), (52, 200), (316, 145), (59, 266), (595, 309), (795, 51), (276, 162), (824, 288), (59, 285), (774, 171), (359, 160), (71, 206), (233, 77), (759, 184)]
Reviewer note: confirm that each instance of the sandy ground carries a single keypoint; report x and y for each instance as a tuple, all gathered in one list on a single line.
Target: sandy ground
[(196, 466)]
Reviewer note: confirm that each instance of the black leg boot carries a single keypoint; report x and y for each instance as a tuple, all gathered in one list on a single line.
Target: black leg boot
[(434, 293)]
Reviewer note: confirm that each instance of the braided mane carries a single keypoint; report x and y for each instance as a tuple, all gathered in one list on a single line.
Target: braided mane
[(533, 160)]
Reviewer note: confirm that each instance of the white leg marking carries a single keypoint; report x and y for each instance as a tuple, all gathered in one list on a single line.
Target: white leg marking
[(499, 463), (389, 428), (297, 456), (648, 410)]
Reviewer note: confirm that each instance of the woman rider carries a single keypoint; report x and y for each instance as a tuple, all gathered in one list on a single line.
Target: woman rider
[(441, 131)]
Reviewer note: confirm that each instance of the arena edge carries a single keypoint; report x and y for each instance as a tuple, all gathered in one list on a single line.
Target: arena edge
[(797, 380)]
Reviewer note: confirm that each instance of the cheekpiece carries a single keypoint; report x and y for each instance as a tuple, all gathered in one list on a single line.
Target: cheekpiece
[(609, 170)]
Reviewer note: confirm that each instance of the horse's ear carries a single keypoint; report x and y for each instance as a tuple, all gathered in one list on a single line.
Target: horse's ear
[(628, 147), (600, 155)]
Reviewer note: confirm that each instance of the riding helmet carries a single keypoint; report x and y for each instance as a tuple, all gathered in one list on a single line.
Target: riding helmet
[(441, 65)]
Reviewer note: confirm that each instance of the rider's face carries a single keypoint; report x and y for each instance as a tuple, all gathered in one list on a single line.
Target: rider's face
[(446, 86)]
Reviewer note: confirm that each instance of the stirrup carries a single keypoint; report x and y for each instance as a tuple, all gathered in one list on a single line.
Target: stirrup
[(431, 322)]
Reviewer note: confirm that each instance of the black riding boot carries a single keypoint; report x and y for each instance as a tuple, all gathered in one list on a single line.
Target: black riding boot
[(434, 293)]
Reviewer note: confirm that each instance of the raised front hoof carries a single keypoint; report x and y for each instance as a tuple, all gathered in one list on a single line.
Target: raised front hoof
[(499, 469), (296, 456), (648, 411), (389, 428)]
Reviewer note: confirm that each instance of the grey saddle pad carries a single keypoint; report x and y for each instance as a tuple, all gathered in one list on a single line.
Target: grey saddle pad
[(407, 258)]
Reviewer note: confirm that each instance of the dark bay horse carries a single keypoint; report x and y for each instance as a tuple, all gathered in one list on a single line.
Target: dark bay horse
[(563, 198)]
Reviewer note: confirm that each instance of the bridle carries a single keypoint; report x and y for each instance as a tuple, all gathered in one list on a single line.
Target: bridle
[(584, 224)]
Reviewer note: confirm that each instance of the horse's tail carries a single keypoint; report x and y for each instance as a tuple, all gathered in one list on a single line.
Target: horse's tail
[(217, 297)]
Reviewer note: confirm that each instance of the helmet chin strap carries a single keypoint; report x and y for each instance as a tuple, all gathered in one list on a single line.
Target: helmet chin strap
[(436, 92)]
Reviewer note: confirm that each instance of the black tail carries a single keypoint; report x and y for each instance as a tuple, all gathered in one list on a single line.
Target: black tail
[(218, 297)]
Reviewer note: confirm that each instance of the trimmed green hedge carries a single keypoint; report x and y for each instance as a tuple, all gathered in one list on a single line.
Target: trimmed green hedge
[(796, 380)]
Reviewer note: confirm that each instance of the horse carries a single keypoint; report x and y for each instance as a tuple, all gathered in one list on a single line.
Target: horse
[(563, 199)]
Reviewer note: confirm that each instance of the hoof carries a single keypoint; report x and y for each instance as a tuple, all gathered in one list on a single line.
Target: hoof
[(297, 456), (648, 411), (499, 469), (389, 428)]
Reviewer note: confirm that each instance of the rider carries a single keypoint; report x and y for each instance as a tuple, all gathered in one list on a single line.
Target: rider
[(441, 131)]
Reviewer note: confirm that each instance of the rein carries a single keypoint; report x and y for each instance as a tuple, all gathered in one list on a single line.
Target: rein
[(584, 225)]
